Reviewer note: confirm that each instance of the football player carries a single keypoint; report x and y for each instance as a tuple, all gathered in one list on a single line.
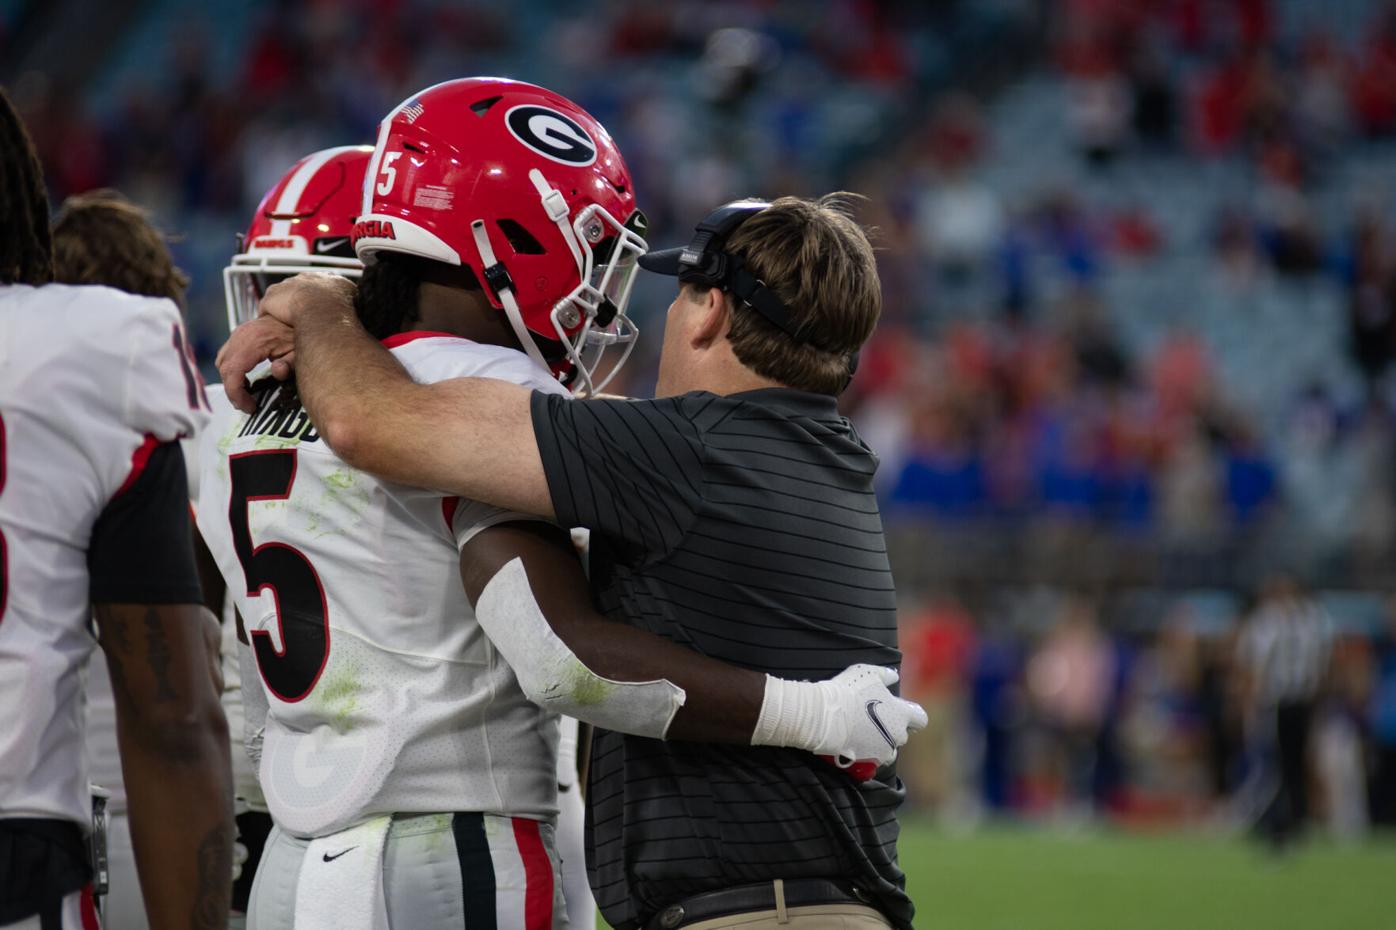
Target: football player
[(305, 223), (409, 768), (102, 238), (96, 387)]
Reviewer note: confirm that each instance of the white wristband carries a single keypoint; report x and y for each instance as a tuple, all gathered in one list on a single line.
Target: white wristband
[(792, 715)]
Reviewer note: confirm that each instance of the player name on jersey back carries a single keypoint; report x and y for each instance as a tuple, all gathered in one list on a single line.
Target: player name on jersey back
[(277, 418)]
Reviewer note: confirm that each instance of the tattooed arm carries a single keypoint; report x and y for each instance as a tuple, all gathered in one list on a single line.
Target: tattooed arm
[(170, 726), (175, 760)]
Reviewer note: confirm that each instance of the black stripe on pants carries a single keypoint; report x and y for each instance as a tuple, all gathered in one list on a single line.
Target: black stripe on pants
[(476, 871)]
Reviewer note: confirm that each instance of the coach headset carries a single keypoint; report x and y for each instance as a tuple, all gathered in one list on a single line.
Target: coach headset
[(704, 262)]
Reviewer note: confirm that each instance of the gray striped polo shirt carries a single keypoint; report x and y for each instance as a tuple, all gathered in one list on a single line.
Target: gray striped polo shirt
[(744, 527)]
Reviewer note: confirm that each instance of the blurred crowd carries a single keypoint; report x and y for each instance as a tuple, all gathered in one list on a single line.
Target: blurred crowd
[(1000, 386), (1041, 709)]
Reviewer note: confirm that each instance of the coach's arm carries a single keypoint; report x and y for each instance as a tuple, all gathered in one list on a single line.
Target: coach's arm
[(472, 437)]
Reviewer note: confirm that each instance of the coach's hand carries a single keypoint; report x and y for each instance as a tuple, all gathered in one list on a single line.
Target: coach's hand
[(272, 335), (852, 716), (250, 345)]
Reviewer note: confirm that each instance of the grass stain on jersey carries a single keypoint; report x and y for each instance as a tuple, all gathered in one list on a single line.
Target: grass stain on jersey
[(341, 480), (342, 491), (273, 441), (584, 687), (339, 697)]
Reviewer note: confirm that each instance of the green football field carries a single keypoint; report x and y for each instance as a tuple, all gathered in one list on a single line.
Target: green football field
[(1029, 879), (1026, 879)]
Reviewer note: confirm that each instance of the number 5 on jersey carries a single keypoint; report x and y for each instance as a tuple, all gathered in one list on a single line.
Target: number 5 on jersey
[(302, 616)]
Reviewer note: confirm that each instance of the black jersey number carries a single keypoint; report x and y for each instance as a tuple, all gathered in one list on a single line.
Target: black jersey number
[(301, 612)]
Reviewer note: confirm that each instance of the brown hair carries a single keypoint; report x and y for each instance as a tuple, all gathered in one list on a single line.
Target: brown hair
[(819, 262), (102, 238), (24, 237)]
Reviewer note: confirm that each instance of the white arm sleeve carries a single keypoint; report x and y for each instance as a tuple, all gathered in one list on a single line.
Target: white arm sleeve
[(554, 678)]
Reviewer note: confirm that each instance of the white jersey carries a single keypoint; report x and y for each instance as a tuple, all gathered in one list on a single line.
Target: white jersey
[(91, 379), (103, 758), (384, 694)]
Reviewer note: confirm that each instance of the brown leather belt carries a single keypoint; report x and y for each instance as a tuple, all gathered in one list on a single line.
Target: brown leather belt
[(742, 899)]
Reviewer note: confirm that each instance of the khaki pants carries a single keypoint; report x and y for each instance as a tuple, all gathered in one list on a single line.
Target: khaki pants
[(814, 917)]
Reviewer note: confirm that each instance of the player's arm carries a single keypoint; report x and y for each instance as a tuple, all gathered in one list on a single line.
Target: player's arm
[(171, 731), (533, 601), (469, 437)]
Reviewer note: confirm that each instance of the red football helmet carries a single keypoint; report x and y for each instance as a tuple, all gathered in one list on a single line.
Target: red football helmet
[(304, 223), (526, 189)]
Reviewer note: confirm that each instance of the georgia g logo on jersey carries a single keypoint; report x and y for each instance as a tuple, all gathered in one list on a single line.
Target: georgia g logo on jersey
[(551, 134)]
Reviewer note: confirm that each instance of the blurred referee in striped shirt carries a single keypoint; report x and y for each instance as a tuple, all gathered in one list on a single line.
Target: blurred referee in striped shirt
[(1285, 650), (734, 515)]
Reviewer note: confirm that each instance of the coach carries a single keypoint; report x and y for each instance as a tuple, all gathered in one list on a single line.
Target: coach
[(734, 514)]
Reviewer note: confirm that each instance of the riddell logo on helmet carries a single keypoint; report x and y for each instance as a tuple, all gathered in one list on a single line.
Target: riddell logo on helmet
[(373, 229), (269, 242)]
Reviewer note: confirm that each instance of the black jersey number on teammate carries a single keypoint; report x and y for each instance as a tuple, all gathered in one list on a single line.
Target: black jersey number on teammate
[(301, 612)]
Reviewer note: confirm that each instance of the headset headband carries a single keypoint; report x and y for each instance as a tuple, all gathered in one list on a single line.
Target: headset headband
[(704, 261)]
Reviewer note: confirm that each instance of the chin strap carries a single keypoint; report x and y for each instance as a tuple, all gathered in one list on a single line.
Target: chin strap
[(498, 281), (556, 207)]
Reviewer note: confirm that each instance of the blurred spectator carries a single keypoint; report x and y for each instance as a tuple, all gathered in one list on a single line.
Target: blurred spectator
[(1371, 279), (1100, 116), (996, 705), (1338, 751), (1218, 702), (938, 643), (1070, 680), (1374, 84), (1155, 104), (1382, 721)]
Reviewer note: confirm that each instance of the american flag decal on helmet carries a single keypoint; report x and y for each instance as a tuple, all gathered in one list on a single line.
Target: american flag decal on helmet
[(412, 110)]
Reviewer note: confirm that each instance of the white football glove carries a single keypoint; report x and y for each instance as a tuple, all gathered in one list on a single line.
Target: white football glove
[(851, 717)]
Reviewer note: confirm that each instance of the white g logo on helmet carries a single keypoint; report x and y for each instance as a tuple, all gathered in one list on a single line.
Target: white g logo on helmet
[(551, 134)]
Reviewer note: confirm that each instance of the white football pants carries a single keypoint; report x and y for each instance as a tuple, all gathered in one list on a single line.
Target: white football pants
[(471, 870)]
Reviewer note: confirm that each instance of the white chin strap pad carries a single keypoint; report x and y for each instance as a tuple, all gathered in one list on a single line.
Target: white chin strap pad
[(554, 678), (506, 297)]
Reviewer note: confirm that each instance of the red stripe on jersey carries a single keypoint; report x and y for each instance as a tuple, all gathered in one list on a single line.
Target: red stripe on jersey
[(139, 459), (89, 909), (402, 339), (448, 512), (538, 875)]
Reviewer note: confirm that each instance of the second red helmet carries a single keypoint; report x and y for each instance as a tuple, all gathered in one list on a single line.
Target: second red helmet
[(304, 223)]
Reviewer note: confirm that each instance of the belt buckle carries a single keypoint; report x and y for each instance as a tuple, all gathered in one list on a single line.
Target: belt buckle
[(671, 916), (861, 895)]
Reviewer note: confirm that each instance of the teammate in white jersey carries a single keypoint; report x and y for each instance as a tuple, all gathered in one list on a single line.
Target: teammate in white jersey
[(386, 699), (102, 238), (96, 386)]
